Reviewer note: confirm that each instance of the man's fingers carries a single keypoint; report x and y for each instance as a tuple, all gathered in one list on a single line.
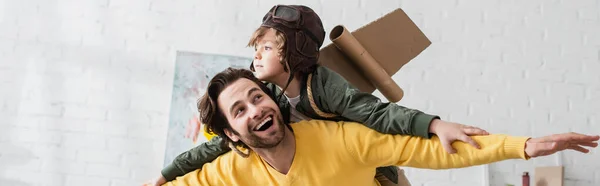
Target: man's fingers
[(579, 148), (567, 137), (588, 138), (588, 144), (580, 137)]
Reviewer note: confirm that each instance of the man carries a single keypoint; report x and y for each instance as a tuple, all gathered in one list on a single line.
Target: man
[(238, 108)]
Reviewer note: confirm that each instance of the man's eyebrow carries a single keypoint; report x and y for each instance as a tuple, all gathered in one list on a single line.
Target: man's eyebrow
[(254, 89), (234, 106)]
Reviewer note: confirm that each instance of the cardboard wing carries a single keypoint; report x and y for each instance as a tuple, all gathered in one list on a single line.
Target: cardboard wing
[(370, 55)]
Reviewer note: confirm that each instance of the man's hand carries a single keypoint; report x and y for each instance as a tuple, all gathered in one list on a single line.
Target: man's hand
[(449, 132), (548, 145), (156, 182)]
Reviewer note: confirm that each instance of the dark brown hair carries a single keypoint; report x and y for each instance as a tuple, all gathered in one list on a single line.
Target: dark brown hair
[(208, 107)]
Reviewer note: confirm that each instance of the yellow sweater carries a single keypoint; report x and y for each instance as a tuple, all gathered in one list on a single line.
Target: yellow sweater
[(347, 153)]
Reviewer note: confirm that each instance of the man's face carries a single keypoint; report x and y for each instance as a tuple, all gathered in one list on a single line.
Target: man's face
[(266, 58), (253, 115)]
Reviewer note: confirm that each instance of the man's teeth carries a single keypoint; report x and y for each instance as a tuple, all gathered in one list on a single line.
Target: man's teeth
[(263, 123)]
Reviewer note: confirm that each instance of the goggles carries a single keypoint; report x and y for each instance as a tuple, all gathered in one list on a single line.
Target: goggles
[(284, 14), (289, 16)]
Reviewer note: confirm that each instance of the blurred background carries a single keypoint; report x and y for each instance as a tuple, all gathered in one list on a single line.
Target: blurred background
[(86, 86)]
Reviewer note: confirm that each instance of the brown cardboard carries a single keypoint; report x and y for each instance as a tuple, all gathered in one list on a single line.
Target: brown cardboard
[(392, 41), (361, 58), (548, 176)]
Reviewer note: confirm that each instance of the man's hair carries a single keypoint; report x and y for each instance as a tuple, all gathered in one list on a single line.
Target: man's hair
[(208, 106)]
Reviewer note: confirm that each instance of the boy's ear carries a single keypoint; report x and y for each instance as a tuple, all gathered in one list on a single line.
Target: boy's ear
[(231, 136)]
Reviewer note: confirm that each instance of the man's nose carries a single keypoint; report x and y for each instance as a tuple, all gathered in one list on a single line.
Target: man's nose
[(255, 112)]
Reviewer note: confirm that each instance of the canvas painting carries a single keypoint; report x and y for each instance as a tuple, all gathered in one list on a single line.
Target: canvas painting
[(193, 71)]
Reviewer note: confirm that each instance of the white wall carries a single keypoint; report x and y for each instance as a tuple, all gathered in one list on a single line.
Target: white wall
[(85, 86)]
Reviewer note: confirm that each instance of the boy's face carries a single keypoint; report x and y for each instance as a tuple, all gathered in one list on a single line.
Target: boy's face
[(267, 65)]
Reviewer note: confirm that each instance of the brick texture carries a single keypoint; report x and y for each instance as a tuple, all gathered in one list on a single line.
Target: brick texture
[(85, 85)]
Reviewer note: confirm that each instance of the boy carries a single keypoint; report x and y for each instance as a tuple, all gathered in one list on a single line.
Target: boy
[(287, 50)]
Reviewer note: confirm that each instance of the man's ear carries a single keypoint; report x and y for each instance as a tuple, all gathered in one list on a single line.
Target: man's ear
[(231, 136)]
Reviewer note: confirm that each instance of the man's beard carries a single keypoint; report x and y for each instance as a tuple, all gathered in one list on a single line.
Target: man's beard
[(274, 138)]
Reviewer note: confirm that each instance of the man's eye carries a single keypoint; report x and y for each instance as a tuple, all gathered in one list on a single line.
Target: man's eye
[(238, 111), (267, 48), (257, 97)]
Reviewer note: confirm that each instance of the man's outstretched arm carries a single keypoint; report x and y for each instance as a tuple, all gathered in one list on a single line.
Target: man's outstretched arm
[(375, 149)]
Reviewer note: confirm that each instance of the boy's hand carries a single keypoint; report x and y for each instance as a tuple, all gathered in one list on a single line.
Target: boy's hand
[(449, 132)]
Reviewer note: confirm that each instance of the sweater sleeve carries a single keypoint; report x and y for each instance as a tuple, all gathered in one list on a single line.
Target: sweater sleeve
[(377, 149), (194, 158), (341, 98), (208, 175)]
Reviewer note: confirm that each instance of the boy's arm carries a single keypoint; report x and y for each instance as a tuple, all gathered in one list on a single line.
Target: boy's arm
[(340, 97), (375, 149), (194, 158)]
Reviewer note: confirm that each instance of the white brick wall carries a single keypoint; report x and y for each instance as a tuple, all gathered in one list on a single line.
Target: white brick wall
[(85, 85), (523, 68)]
